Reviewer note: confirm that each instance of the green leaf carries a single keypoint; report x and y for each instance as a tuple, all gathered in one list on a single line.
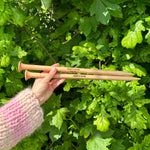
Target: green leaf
[(57, 120), (100, 11), (13, 83), (102, 123), (4, 17), (86, 130), (67, 145), (73, 107), (146, 143), (117, 145), (114, 9), (18, 16), (93, 105), (67, 86), (117, 1), (55, 133), (83, 104), (5, 61), (136, 146), (147, 19), (87, 24), (133, 37), (98, 143), (68, 36), (134, 68), (141, 102), (1, 5), (135, 119), (147, 37), (46, 4), (21, 53)]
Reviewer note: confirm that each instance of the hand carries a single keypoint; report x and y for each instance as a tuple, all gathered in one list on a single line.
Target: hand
[(43, 88)]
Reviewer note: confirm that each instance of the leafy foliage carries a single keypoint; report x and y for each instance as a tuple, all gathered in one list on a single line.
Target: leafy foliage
[(99, 34), (134, 37)]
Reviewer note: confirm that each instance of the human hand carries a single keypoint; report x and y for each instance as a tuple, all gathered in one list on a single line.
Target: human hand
[(43, 88)]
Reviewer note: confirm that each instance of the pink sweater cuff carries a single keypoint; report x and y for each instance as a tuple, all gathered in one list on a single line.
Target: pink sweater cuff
[(19, 118)]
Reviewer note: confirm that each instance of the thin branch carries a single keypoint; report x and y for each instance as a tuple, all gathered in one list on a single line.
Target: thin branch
[(100, 65), (40, 44), (77, 128), (51, 145), (71, 38), (32, 17)]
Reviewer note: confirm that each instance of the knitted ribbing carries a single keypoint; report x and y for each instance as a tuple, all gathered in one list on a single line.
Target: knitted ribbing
[(19, 118)]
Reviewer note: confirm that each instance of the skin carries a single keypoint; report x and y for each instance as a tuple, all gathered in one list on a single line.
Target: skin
[(43, 88)]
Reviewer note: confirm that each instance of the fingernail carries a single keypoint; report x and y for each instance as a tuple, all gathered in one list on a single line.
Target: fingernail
[(53, 69)]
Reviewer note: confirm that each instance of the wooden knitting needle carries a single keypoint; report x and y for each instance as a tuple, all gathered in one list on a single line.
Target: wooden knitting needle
[(22, 66), (29, 75)]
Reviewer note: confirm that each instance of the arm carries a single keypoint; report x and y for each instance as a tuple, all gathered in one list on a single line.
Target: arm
[(19, 118), (23, 114)]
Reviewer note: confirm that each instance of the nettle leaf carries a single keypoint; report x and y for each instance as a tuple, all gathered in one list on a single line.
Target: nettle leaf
[(134, 36), (100, 11), (46, 4), (57, 120), (98, 143), (102, 123)]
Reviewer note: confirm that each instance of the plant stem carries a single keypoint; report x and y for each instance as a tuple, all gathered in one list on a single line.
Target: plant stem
[(77, 128)]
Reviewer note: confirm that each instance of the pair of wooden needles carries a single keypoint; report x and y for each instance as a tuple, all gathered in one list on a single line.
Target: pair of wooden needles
[(78, 73)]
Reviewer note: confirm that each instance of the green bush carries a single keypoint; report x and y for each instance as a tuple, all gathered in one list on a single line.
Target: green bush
[(99, 34)]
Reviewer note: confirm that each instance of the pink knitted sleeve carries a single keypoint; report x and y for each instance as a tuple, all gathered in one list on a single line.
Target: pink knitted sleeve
[(19, 118)]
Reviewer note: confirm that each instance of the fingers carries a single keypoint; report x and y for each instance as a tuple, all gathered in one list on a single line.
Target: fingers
[(56, 65), (56, 82), (50, 75), (59, 82)]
